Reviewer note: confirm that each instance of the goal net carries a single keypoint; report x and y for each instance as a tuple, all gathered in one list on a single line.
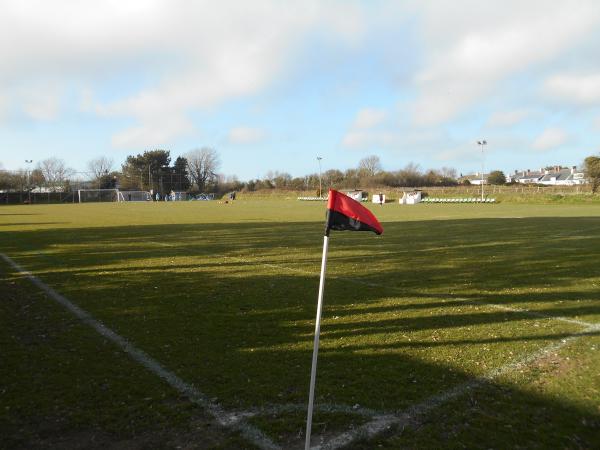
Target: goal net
[(98, 195), (133, 196)]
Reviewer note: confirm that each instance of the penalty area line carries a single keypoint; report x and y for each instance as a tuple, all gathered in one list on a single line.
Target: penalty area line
[(228, 420)]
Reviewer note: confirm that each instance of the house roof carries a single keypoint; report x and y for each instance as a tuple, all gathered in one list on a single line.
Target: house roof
[(528, 175), (561, 175)]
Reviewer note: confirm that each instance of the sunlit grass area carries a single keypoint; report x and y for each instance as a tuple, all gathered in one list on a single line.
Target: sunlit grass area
[(224, 295)]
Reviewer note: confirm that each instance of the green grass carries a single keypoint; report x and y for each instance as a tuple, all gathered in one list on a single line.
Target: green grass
[(224, 295)]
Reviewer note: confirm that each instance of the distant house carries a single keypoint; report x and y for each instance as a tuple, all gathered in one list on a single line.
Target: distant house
[(474, 178), (563, 176), (526, 176), (555, 176)]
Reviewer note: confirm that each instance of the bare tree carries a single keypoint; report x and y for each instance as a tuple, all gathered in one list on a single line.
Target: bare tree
[(369, 166), (55, 172), (203, 164), (448, 172), (101, 166), (410, 176)]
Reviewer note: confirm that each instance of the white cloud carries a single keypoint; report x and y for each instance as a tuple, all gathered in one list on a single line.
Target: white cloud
[(156, 62), (455, 153), (245, 135), (466, 55), (508, 118), (41, 105), (357, 139), (369, 118), (157, 133), (187, 55), (366, 130), (3, 106), (550, 139), (572, 88)]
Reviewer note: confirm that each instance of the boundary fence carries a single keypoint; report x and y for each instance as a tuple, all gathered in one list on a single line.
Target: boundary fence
[(16, 198)]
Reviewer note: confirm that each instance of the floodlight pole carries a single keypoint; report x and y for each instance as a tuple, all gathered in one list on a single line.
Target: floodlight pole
[(28, 162), (313, 370), (319, 158), (481, 144), (149, 177)]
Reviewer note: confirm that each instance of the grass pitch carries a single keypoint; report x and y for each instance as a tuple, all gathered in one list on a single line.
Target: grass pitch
[(224, 296)]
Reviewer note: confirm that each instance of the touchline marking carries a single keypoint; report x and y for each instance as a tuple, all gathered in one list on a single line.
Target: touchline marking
[(408, 418), (225, 419)]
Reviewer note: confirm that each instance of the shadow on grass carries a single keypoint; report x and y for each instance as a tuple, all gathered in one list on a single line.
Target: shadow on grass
[(210, 303)]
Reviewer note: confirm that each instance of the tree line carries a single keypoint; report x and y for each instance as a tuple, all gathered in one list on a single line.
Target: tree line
[(152, 170), (197, 171)]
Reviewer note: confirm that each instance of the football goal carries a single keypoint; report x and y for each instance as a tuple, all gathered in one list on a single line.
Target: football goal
[(98, 195), (112, 195)]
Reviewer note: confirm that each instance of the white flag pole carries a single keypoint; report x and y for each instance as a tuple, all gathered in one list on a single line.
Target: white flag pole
[(313, 371)]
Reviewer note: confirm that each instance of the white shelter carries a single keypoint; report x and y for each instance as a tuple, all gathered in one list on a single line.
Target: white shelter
[(357, 194), (378, 198), (411, 198)]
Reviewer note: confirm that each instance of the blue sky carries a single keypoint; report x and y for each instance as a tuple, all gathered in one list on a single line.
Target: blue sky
[(272, 84)]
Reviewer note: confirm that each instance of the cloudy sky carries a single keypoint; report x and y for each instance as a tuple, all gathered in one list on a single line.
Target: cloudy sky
[(274, 84)]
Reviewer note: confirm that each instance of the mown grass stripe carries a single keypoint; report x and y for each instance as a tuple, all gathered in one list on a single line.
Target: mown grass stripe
[(527, 312)]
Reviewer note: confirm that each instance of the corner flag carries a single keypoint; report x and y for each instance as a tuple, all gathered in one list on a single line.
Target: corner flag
[(343, 213)]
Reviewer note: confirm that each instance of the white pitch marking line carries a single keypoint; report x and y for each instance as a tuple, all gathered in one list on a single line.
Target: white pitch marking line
[(382, 422), (225, 419), (295, 407), (580, 323)]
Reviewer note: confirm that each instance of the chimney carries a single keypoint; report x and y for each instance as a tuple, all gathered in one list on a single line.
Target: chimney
[(573, 169)]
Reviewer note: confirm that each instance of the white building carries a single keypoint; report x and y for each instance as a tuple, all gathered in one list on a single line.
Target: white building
[(555, 176)]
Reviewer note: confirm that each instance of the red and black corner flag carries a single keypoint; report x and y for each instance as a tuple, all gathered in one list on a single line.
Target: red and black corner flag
[(345, 213)]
